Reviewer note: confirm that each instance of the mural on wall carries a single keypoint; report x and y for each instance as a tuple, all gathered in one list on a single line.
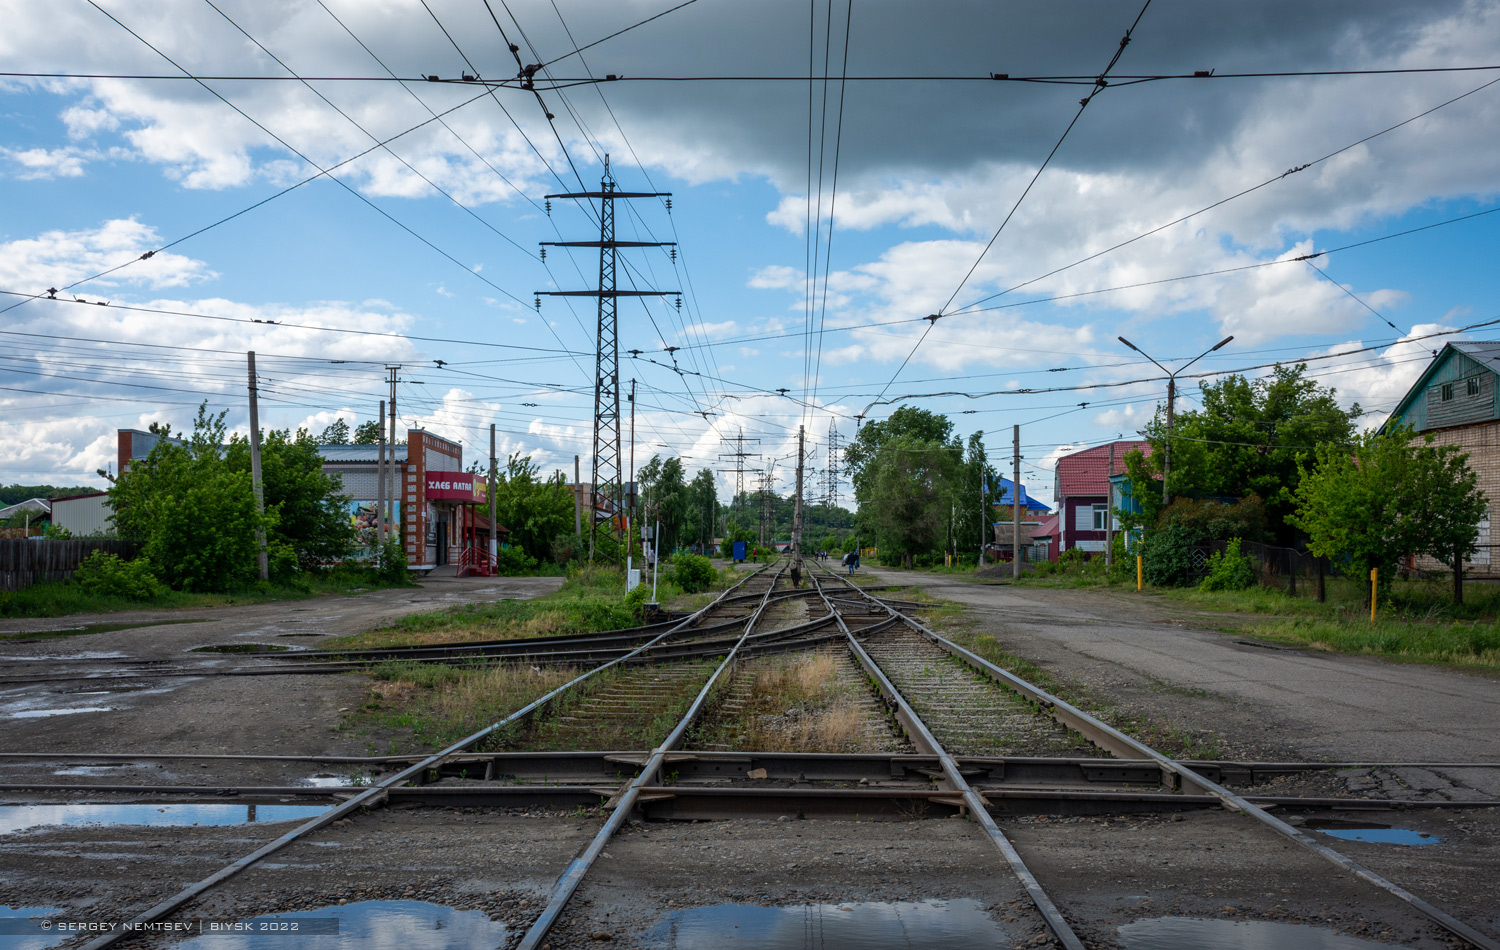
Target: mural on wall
[(363, 516)]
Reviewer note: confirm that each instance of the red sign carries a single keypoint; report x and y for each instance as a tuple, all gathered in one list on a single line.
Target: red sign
[(451, 486)]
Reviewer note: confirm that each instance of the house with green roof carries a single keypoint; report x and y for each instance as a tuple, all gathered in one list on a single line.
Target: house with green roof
[(1456, 401)]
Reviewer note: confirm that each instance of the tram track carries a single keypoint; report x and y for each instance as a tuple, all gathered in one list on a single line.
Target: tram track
[(966, 741)]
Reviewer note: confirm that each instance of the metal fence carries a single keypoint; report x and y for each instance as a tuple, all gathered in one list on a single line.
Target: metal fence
[(24, 562), (1297, 573)]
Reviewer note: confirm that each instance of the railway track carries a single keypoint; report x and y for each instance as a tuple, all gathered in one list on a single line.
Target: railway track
[(669, 705)]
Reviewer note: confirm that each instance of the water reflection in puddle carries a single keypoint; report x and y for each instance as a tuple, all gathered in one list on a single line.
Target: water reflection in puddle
[(24, 931), (1190, 933), (906, 925), (14, 818), (67, 711), (409, 925), (324, 780), (242, 648), (1370, 831)]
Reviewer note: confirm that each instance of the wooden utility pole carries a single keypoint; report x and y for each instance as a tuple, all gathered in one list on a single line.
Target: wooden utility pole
[(260, 495), (984, 519), (380, 526), (1109, 511), (797, 516), (1015, 505), (494, 525)]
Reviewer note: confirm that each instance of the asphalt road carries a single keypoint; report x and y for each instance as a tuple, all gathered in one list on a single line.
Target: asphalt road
[(1327, 706)]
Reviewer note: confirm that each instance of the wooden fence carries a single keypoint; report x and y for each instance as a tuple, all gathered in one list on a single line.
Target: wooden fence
[(24, 562)]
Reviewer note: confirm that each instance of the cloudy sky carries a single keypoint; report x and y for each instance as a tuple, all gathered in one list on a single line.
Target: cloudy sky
[(817, 222)]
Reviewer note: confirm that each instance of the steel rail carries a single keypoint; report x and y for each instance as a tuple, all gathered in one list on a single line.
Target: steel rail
[(372, 796), (1080, 721), (926, 742), (625, 800)]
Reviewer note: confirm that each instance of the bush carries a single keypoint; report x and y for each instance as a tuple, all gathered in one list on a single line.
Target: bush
[(1166, 556), (693, 573), (106, 574), (391, 566), (514, 562), (1229, 569)]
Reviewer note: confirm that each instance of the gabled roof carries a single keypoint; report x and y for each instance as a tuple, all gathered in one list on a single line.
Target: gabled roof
[(1087, 472), (1485, 353), (39, 505), (359, 453), (1003, 487), (1047, 529)]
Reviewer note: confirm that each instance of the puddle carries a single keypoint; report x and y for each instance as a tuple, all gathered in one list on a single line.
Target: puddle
[(410, 925), (906, 925), (242, 648), (324, 780), (44, 713), (1189, 933), (21, 927), (302, 634), (14, 818), (86, 629), (1370, 831), (91, 769), (82, 655)]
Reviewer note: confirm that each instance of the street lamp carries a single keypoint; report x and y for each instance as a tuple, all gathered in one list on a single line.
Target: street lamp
[(1166, 460)]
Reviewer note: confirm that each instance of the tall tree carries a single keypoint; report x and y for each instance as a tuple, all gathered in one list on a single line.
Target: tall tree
[(1389, 497), (312, 510), (871, 475), (703, 506), (909, 484), (536, 512), (367, 432), (336, 433), (1246, 440)]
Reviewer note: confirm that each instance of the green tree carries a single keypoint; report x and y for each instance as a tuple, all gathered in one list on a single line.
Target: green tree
[(703, 508), (665, 496), (909, 483), (336, 433), (312, 512), (367, 433), (195, 516), (1245, 440), (1390, 497), (536, 512)]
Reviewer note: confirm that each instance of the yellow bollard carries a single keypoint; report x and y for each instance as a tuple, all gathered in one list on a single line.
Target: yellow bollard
[(1140, 573), (1374, 579)]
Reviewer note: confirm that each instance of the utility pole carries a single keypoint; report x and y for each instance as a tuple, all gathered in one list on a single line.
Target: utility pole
[(380, 525), (767, 486), (260, 497), (494, 526), (577, 499), (1109, 513), (1166, 454), (1015, 505), (606, 472), (629, 542), (393, 532), (797, 515)]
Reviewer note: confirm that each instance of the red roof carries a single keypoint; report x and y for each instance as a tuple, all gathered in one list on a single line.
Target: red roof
[(1087, 472), (1047, 529)]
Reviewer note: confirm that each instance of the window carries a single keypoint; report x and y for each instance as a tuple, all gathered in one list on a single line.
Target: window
[(1447, 394), (1471, 386), (1101, 512)]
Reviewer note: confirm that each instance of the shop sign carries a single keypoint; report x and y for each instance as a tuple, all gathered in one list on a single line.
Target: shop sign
[(455, 486)]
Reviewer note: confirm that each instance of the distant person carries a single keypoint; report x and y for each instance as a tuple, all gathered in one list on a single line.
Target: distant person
[(856, 563)]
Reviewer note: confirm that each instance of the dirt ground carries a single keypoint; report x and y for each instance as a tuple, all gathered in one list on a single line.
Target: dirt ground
[(1103, 872)]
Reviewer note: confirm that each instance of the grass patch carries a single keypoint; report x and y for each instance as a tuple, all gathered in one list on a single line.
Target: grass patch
[(590, 600), (1462, 643), (794, 704), (442, 704), (61, 598)]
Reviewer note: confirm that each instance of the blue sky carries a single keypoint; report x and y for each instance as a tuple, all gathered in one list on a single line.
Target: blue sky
[(96, 172)]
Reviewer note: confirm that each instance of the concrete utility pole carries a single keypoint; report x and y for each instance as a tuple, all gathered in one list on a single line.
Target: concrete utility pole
[(1109, 513), (394, 531), (260, 496), (494, 526), (630, 486), (1166, 452), (1015, 505), (380, 525), (984, 519), (578, 501), (797, 515)]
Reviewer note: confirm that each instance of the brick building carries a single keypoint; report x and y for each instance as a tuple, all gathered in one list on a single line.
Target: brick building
[(1457, 402)]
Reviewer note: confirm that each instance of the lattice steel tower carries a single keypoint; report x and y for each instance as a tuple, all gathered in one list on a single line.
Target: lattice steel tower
[(831, 473), (608, 478)]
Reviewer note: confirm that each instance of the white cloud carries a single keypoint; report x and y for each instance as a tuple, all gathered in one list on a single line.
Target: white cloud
[(58, 258)]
